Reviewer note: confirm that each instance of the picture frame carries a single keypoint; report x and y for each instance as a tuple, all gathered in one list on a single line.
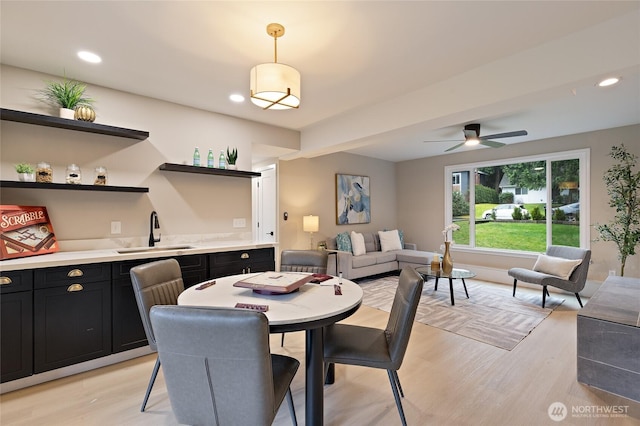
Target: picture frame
[(353, 199)]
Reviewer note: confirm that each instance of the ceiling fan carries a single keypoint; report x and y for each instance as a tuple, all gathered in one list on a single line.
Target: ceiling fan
[(472, 137)]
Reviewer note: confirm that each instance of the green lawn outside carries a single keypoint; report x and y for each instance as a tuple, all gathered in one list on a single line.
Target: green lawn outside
[(524, 235)]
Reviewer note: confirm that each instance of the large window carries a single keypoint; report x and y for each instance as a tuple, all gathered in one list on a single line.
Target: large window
[(520, 204)]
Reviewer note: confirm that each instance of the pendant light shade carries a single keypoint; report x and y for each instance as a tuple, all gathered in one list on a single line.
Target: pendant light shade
[(274, 85)]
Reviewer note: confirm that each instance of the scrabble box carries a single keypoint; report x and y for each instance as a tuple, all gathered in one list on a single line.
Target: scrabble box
[(25, 231)]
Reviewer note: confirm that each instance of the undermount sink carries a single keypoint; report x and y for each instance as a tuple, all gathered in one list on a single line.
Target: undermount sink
[(152, 249)]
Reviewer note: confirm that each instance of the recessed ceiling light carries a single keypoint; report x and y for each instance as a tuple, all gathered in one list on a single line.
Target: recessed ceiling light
[(89, 57), (236, 98), (609, 81)]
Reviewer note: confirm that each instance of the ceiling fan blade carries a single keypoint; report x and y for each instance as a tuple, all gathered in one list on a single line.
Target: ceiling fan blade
[(505, 135), (454, 147), (492, 144)]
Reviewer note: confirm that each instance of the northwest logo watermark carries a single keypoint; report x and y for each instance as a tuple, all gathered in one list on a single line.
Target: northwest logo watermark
[(557, 411)]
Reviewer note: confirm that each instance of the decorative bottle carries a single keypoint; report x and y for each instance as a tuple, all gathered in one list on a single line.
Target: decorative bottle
[(222, 162), (196, 157), (447, 262), (210, 159)]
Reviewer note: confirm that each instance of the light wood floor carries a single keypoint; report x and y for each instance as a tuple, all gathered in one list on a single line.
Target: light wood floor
[(447, 380)]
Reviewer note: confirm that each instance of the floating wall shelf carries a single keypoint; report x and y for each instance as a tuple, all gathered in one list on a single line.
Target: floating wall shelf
[(63, 123), (71, 187), (171, 167)]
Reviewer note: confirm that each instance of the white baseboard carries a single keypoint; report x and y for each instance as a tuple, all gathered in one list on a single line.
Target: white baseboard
[(59, 373)]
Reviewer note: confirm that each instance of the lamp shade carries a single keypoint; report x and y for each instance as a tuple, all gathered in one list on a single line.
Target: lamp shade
[(275, 86), (310, 223)]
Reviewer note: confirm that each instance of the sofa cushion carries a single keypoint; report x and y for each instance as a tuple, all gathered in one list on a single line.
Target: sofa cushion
[(557, 266), (343, 242), (389, 240), (366, 259), (370, 242), (357, 244), (414, 256), (384, 257)]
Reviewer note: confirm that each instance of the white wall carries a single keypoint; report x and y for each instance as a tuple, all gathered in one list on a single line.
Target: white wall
[(188, 204)]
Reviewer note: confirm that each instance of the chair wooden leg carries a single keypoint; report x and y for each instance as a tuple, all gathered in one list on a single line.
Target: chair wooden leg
[(515, 281), (292, 409), (395, 375), (152, 380), (544, 295), (579, 301), (282, 340), (394, 388)]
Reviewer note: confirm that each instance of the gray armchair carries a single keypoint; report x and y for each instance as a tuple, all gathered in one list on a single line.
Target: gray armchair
[(574, 284), (218, 367), (378, 348), (313, 261), (155, 283)]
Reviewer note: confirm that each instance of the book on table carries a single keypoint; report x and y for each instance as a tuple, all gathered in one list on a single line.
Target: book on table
[(275, 282)]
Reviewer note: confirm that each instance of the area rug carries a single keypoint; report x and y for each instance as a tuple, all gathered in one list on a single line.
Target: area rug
[(490, 315)]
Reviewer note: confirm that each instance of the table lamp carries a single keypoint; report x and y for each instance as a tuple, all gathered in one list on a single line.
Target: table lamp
[(310, 224)]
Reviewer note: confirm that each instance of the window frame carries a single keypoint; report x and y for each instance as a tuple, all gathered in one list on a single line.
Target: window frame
[(584, 157)]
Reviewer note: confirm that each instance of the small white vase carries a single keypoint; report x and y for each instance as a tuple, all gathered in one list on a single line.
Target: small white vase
[(232, 167), (27, 177), (67, 113)]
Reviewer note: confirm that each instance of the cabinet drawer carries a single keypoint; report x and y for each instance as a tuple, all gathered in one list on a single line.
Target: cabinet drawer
[(14, 281), (187, 263), (66, 275), (255, 255)]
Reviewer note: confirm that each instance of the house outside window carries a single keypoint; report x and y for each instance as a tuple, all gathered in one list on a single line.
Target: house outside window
[(521, 204)]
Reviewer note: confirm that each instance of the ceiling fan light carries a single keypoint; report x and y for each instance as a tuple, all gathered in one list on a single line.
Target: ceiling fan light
[(275, 86), (608, 82), (472, 142)]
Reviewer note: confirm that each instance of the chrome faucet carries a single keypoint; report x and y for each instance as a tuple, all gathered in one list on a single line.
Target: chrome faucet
[(153, 224)]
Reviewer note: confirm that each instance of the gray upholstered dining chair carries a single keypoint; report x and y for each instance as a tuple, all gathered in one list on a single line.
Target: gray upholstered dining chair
[(155, 283), (558, 260), (218, 367), (378, 348), (313, 261)]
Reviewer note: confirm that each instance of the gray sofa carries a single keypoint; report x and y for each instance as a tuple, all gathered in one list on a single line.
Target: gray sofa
[(374, 261)]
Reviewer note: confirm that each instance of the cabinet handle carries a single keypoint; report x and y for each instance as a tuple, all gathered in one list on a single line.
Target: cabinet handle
[(75, 273), (244, 256), (248, 270), (5, 280), (75, 287)]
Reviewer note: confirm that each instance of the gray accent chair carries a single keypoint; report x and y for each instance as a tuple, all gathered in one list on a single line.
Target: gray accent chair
[(378, 348), (574, 284), (218, 367), (313, 261), (155, 283)]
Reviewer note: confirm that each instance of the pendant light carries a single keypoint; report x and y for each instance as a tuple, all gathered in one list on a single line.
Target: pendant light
[(274, 85)]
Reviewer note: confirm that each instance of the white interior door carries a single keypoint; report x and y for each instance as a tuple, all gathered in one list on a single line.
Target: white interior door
[(267, 205)]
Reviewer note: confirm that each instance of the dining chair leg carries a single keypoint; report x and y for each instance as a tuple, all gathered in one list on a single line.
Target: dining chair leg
[(292, 409), (395, 375), (579, 301), (282, 340), (544, 295), (152, 380), (514, 287), (394, 388)]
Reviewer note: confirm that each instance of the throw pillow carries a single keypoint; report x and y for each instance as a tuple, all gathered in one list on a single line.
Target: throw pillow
[(343, 241), (390, 240), (357, 244), (562, 268)]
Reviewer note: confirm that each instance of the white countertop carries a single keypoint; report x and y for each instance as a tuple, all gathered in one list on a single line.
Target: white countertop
[(64, 258)]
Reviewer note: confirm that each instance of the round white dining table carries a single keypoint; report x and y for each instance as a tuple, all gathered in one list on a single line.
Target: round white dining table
[(310, 308)]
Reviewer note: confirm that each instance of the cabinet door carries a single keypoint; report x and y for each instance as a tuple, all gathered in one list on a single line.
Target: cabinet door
[(241, 262), (71, 325), (16, 335)]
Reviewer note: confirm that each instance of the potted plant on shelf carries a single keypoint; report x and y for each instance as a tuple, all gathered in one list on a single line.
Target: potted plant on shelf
[(623, 186), (232, 157), (26, 172), (67, 95)]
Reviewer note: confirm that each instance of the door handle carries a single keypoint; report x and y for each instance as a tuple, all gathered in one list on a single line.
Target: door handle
[(270, 233)]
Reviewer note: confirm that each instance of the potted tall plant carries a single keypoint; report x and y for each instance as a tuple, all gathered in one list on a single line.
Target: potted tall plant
[(623, 184), (66, 95), (232, 157)]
